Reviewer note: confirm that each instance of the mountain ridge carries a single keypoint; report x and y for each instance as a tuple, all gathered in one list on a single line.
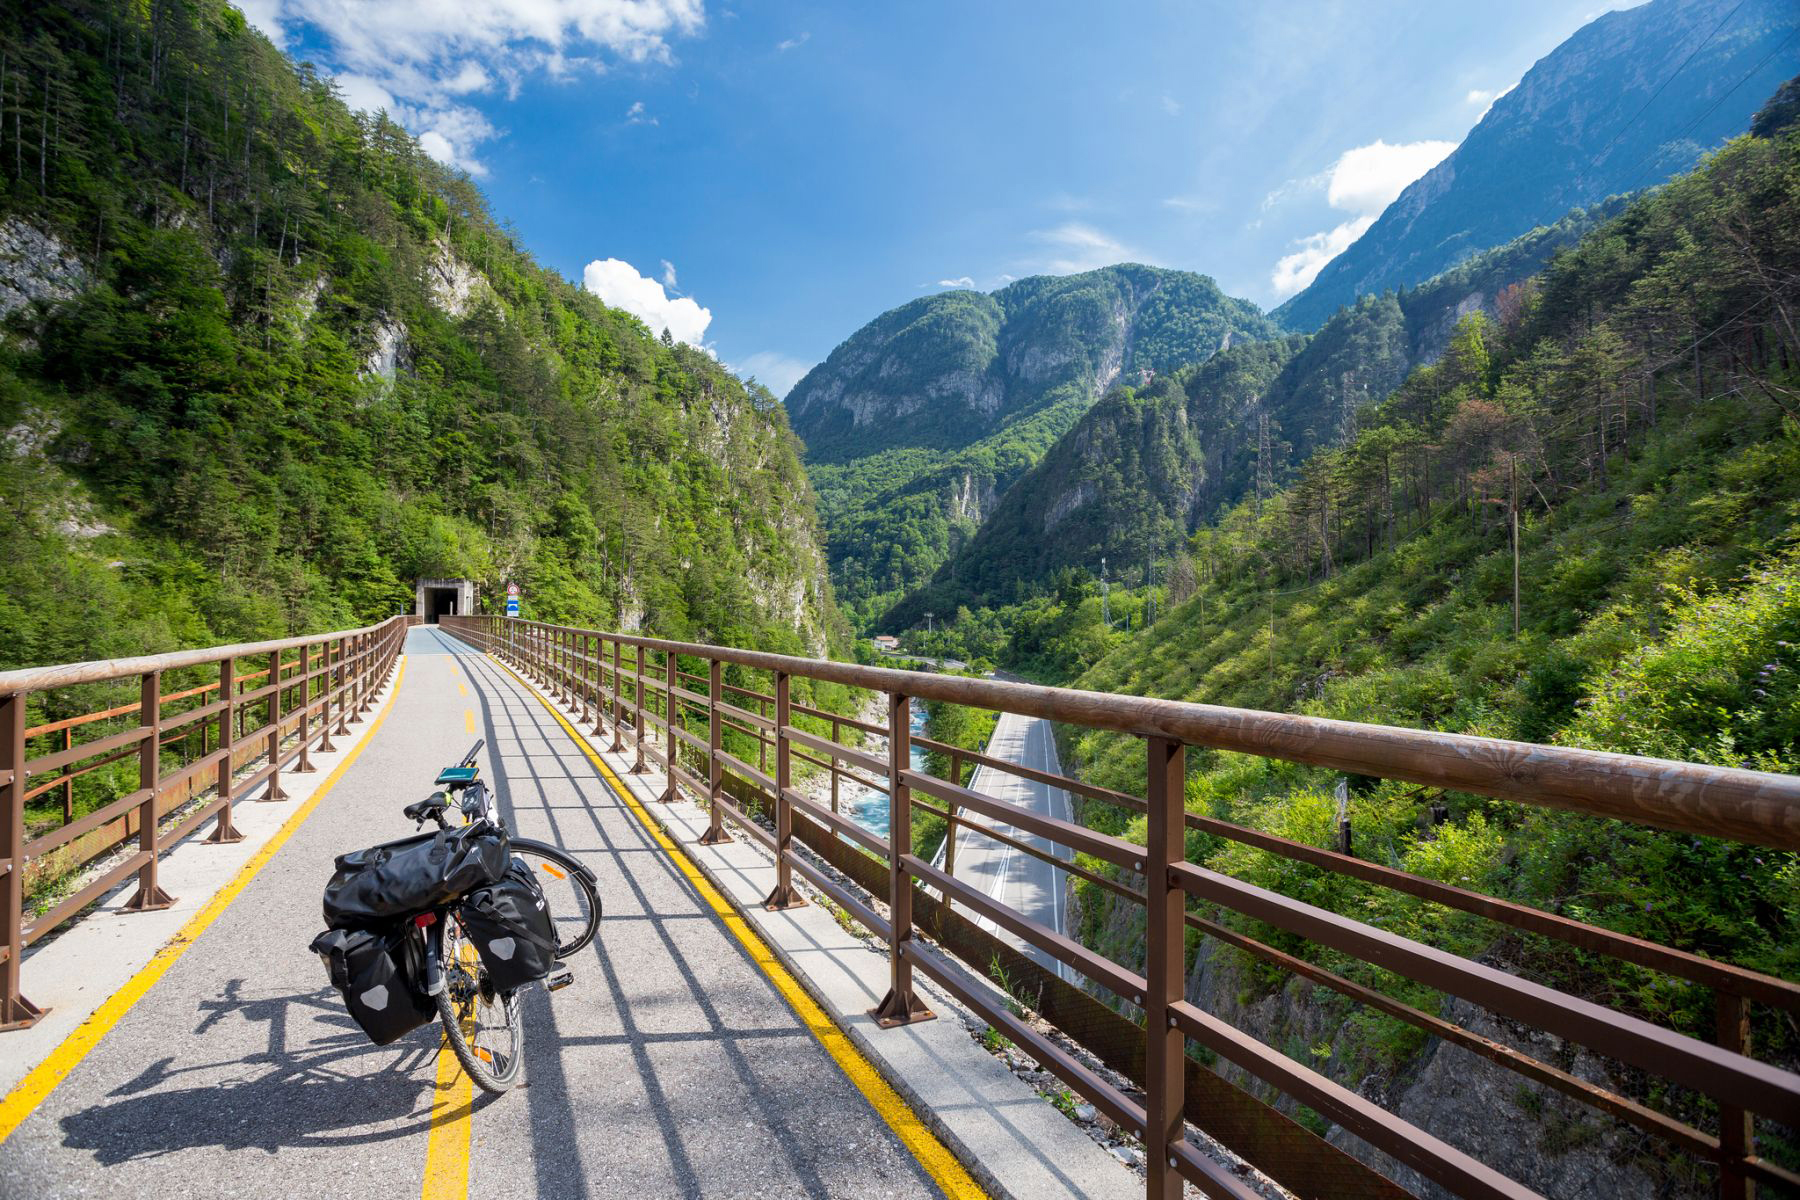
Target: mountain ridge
[(1614, 108)]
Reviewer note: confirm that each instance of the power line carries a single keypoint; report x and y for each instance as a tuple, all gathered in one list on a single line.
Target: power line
[(1665, 83), (1691, 125)]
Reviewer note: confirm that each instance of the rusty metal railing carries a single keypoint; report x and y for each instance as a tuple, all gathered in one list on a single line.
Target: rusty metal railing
[(638, 688), (303, 701)]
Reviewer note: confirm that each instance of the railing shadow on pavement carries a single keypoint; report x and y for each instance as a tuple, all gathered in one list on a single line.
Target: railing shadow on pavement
[(712, 718)]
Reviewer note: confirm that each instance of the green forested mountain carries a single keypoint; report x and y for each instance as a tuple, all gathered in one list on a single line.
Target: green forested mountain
[(1644, 391), (264, 362), (1143, 468), (1630, 99), (917, 423)]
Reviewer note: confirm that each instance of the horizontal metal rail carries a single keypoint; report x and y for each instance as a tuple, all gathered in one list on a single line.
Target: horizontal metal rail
[(637, 685), (304, 699)]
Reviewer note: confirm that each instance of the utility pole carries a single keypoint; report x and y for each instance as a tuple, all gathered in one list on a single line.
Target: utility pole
[(928, 617), (1105, 611)]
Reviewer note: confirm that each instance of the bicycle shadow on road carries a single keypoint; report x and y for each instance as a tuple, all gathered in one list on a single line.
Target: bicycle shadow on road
[(334, 1089)]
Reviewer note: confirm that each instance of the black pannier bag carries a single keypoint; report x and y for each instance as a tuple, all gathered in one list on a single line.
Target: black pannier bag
[(381, 977), (510, 924), (398, 879)]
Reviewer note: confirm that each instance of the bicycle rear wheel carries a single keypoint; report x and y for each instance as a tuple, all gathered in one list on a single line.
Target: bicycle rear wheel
[(481, 1025), (568, 890)]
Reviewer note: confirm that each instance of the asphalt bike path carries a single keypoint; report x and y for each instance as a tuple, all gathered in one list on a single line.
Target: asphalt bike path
[(671, 1067)]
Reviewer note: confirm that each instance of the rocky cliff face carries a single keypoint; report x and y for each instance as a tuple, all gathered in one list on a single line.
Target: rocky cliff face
[(918, 423), (1610, 111)]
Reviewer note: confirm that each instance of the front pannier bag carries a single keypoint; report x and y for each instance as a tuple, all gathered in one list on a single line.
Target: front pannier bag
[(380, 977), (510, 924), (373, 887)]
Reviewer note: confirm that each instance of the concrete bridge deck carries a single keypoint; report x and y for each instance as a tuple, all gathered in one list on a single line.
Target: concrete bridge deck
[(672, 1067)]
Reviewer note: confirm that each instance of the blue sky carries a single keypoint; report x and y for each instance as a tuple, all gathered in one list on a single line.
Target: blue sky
[(765, 178)]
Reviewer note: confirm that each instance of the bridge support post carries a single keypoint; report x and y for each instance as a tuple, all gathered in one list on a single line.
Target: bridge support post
[(956, 765), (596, 651), (1737, 1125), (715, 772), (339, 680), (304, 765), (1166, 967), (224, 832), (784, 895), (16, 1012), (618, 698), (637, 706), (901, 1006), (671, 715), (275, 791), (149, 895)]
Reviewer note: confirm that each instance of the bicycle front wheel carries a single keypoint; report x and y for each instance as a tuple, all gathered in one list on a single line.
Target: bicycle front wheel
[(569, 891), (481, 1024)]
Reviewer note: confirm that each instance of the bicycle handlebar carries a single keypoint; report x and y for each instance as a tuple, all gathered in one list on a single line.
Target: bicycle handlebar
[(468, 760)]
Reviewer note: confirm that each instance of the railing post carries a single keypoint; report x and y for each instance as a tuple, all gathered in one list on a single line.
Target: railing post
[(637, 702), (325, 746), (304, 765), (275, 791), (16, 1012), (762, 740), (149, 895), (370, 682), (1165, 967), (671, 681), (583, 677), (618, 697), (784, 895), (956, 764), (834, 766), (1737, 1126), (68, 786), (715, 776), (901, 1006), (343, 685), (224, 832)]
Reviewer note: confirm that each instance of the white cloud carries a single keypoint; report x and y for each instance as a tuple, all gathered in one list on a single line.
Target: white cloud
[(777, 372), (1073, 247), (793, 43), (422, 60), (621, 285), (1486, 97), (668, 275), (1171, 105), (1362, 182), (961, 281), (635, 115)]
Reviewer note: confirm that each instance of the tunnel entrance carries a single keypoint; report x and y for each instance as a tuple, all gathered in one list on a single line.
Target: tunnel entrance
[(439, 602), (438, 598)]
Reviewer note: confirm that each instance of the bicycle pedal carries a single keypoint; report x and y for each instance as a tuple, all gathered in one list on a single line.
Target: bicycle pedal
[(559, 981)]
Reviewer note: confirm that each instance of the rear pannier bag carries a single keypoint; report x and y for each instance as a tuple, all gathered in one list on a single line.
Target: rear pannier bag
[(381, 977), (373, 887), (510, 924)]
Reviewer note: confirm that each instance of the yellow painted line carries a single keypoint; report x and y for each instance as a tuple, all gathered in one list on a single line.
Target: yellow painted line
[(36, 1086), (462, 689), (949, 1174), (447, 1149), (469, 719)]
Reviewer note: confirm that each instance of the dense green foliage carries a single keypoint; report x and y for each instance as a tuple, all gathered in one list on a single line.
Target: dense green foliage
[(1647, 391), (302, 365), (1146, 466), (921, 419), (1633, 97)]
